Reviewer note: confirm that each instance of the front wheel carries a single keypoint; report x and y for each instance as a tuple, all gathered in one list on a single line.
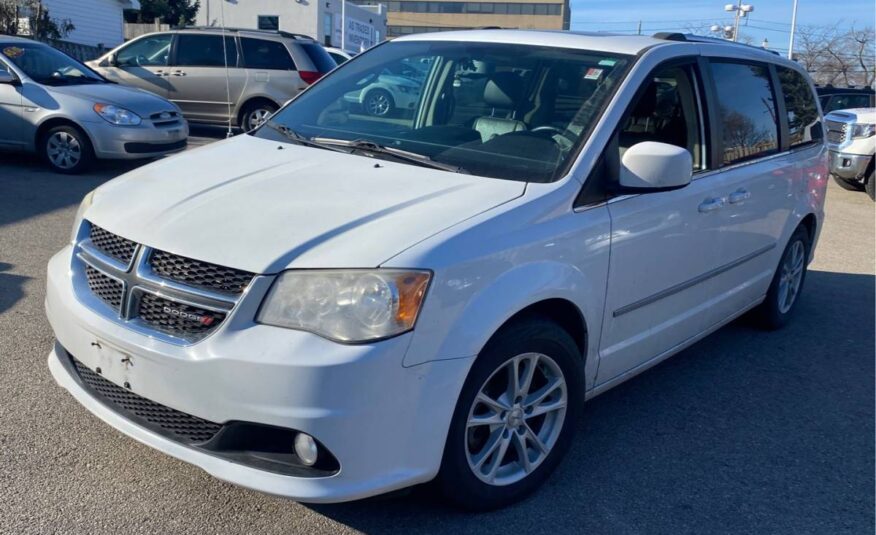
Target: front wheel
[(787, 283), (67, 150), (256, 114), (870, 186), (515, 417), (379, 103)]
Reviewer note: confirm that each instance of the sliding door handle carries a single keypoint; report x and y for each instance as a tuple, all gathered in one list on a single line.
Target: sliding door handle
[(739, 196)]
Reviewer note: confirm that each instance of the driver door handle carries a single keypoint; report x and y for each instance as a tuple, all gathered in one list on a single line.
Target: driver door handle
[(179, 73), (711, 204), (161, 74)]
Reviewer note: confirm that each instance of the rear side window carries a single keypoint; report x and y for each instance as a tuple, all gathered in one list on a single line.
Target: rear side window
[(848, 101), (319, 57), (261, 54), (804, 122), (747, 110), (205, 51)]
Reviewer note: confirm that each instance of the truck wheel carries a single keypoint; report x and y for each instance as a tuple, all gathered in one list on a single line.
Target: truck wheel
[(870, 186)]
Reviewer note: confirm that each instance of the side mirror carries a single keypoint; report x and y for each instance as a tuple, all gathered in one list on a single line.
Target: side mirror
[(7, 77), (651, 166)]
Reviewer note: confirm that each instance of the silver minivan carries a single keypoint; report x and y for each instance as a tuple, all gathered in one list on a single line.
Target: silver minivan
[(188, 66)]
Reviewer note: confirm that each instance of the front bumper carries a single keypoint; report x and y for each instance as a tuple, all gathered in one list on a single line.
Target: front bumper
[(131, 142), (849, 166), (385, 424)]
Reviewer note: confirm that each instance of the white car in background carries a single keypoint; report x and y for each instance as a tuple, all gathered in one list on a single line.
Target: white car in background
[(396, 88), (340, 305), (851, 137)]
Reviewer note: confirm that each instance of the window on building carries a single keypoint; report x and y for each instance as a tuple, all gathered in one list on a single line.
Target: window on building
[(205, 51), (268, 22), (804, 123), (151, 51), (261, 54), (748, 110)]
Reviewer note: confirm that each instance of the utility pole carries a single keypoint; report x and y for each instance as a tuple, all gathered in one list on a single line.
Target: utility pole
[(742, 10), (793, 29), (639, 30), (344, 25)]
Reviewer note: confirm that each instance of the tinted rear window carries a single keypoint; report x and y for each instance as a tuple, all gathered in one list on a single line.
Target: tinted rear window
[(205, 51), (261, 54), (748, 110), (318, 55), (804, 122)]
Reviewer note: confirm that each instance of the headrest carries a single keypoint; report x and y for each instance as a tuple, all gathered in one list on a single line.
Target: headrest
[(503, 90)]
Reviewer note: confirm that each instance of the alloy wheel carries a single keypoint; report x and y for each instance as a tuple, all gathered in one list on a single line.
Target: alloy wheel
[(791, 276), (256, 118), (63, 150), (516, 419), (378, 103)]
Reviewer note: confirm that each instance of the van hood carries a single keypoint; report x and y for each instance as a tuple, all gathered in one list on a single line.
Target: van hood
[(141, 102), (264, 206)]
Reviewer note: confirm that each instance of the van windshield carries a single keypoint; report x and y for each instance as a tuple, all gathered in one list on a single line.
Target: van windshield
[(508, 111), (45, 65)]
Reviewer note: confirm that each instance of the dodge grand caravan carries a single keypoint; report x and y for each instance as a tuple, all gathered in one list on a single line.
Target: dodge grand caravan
[(339, 305)]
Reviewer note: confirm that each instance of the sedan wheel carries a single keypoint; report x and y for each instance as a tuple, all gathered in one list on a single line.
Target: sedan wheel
[(378, 103), (516, 419), (64, 150)]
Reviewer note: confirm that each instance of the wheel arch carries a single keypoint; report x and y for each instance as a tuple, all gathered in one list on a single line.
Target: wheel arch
[(250, 101), (53, 122)]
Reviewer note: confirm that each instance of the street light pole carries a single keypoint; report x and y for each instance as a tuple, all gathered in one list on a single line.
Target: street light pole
[(344, 25), (742, 10), (793, 29)]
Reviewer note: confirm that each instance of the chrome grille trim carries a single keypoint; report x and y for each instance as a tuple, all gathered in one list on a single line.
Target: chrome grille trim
[(838, 132), (138, 280)]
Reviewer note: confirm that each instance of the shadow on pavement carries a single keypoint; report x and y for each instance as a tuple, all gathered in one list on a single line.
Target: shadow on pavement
[(11, 287), (747, 431)]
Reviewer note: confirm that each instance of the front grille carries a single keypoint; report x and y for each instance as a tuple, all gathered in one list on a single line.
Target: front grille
[(199, 274), (181, 426), (836, 132), (111, 244), (165, 119), (177, 319), (106, 288)]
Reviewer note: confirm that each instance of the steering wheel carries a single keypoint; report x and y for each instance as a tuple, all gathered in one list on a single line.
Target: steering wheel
[(561, 137)]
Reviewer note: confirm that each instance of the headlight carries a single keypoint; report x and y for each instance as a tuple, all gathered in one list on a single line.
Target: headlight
[(116, 115), (80, 214), (860, 131), (346, 305)]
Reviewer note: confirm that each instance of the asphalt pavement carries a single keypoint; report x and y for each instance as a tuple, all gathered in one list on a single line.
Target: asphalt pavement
[(745, 432)]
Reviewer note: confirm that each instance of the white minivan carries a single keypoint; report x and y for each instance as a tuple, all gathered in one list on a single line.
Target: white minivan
[(339, 305)]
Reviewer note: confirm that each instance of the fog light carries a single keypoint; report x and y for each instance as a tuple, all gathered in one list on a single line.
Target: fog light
[(305, 449)]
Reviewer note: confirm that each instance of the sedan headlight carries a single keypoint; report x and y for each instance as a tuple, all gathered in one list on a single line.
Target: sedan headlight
[(346, 305), (116, 115), (861, 131), (80, 214)]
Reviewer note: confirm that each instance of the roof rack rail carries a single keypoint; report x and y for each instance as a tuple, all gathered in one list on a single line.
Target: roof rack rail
[(691, 38), (282, 33)]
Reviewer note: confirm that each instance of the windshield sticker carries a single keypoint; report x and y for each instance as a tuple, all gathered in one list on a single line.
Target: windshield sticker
[(13, 52), (593, 74), (608, 62)]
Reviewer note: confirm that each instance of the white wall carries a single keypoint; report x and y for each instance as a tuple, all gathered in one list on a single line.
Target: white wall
[(96, 21)]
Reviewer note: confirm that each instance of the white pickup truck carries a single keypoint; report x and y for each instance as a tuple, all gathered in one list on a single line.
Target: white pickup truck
[(851, 138)]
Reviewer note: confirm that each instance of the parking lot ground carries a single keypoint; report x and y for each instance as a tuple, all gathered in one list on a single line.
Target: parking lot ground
[(745, 432)]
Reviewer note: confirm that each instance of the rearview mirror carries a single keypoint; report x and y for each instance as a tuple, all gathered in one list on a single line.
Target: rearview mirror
[(7, 77), (651, 166)]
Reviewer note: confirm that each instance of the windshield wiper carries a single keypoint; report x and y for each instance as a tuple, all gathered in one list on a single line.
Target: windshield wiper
[(373, 148), (295, 137)]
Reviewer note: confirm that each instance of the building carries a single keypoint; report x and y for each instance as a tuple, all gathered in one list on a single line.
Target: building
[(320, 19), (97, 22), (417, 16)]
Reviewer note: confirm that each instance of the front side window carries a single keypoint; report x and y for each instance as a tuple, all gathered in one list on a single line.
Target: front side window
[(151, 51), (804, 121), (45, 65), (747, 110), (261, 54), (497, 110), (205, 51), (666, 111)]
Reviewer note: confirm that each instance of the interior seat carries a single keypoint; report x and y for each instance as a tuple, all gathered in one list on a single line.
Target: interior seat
[(502, 92)]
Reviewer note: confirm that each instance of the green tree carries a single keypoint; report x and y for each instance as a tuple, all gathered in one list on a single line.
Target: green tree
[(31, 18), (175, 12)]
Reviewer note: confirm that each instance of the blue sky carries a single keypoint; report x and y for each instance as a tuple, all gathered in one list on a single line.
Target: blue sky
[(771, 18)]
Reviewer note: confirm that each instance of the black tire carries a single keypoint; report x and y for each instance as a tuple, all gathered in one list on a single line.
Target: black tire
[(56, 140), (378, 103), (870, 186), (850, 185), (456, 480), (770, 314), (254, 113)]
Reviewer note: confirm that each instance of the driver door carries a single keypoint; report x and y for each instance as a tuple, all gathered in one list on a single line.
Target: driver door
[(11, 131), (142, 63)]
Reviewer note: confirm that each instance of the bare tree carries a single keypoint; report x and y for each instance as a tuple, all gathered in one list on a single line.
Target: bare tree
[(837, 56)]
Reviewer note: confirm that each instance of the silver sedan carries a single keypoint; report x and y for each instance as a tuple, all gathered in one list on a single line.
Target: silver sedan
[(57, 107)]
